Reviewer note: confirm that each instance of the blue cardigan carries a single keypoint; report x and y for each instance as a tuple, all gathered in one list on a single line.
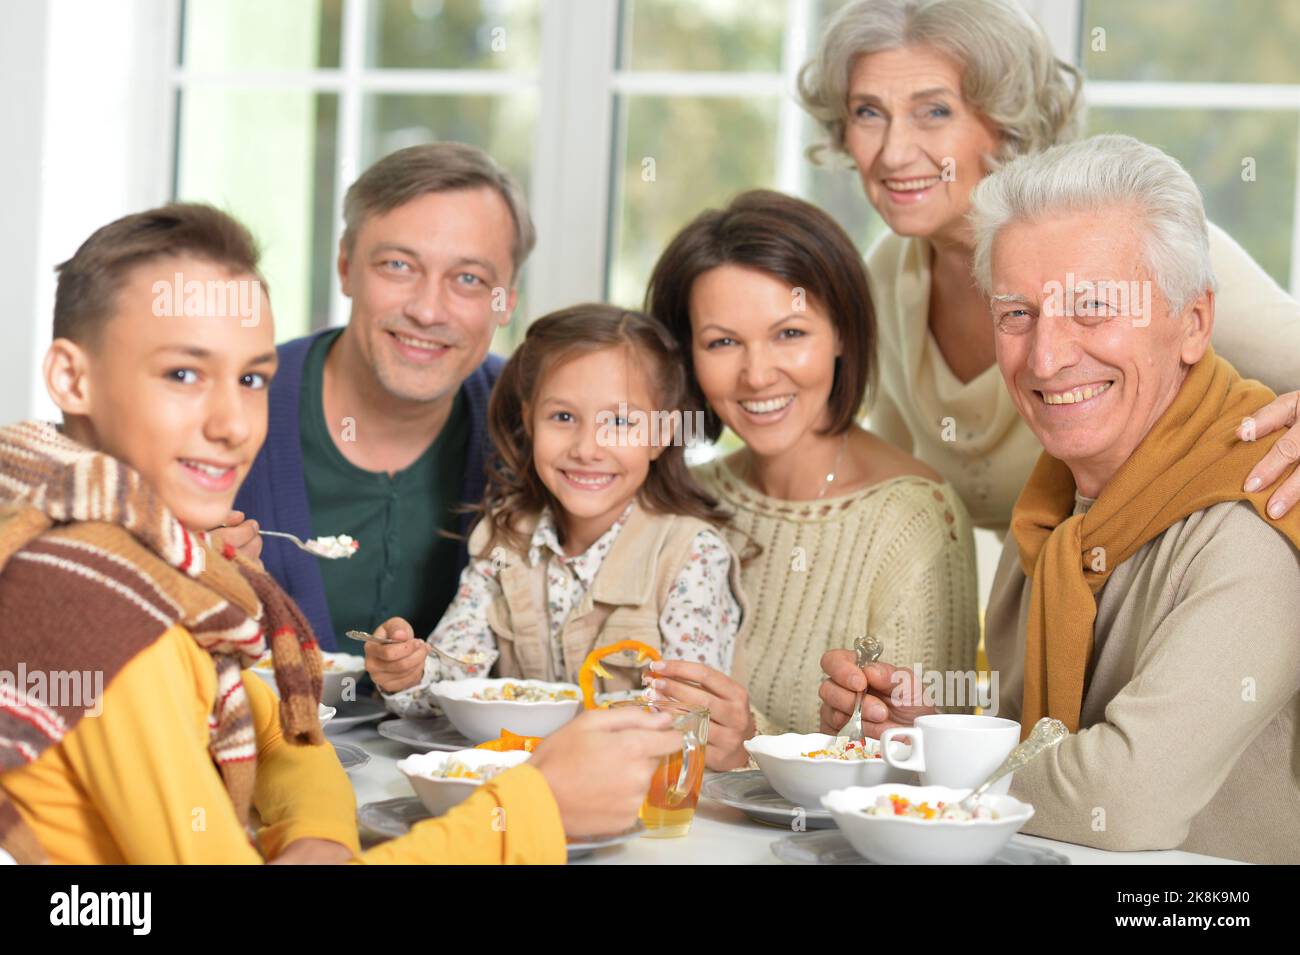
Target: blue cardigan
[(275, 491)]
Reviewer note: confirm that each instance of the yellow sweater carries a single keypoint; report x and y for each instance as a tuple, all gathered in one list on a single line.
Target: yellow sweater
[(896, 559), (136, 785), (970, 431)]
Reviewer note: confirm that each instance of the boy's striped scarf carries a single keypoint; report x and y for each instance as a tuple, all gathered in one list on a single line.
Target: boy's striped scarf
[(73, 516)]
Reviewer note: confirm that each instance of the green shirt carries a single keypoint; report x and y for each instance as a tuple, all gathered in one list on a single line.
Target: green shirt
[(404, 567)]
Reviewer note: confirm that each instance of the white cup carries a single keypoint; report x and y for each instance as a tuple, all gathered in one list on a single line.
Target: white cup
[(951, 749)]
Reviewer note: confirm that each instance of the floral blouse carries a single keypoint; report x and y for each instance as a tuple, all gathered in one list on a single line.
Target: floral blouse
[(698, 623)]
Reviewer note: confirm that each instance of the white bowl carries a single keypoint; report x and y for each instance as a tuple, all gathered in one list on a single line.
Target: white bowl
[(325, 713), (439, 795), (804, 780), (898, 840), (481, 720), (338, 667)]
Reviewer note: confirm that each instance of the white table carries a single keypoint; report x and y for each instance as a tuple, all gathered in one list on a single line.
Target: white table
[(719, 834)]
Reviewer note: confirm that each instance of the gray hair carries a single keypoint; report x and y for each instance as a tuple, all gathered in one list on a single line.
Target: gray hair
[(1090, 175), (1009, 72), (436, 167)]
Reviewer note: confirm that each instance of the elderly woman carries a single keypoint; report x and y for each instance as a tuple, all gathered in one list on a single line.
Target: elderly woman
[(768, 298), (926, 97), (1171, 650)]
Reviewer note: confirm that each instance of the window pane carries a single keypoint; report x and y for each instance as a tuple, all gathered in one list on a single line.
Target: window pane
[(1205, 41), (502, 126), (681, 156), (454, 34), (256, 35), (267, 157), (1243, 161), (738, 35)]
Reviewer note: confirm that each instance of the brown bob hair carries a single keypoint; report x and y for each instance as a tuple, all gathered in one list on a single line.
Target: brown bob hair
[(795, 242), (513, 486)]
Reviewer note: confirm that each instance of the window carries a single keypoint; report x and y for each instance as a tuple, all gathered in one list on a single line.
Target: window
[(1221, 93)]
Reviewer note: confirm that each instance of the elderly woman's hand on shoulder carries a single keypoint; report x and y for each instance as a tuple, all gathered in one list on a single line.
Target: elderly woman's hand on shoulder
[(1282, 412)]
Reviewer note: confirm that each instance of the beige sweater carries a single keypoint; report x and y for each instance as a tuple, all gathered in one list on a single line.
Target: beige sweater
[(987, 451), (1190, 727), (895, 559)]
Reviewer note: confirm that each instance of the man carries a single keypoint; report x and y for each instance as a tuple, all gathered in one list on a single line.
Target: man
[(377, 430), (1143, 597), (163, 350)]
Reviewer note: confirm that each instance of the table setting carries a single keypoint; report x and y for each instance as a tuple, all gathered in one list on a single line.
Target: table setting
[(806, 798)]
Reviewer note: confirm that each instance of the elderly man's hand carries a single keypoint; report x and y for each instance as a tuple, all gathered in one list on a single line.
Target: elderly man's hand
[(893, 697), (1282, 412)]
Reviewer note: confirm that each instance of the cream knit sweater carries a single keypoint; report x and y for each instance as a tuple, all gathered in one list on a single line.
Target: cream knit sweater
[(971, 432), (895, 559)]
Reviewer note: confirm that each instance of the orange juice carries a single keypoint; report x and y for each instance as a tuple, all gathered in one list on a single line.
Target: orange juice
[(669, 805), (668, 811)]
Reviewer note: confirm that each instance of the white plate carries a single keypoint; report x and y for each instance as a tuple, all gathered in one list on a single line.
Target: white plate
[(425, 735), (355, 713), (392, 818), (831, 848), (351, 756), (752, 794)]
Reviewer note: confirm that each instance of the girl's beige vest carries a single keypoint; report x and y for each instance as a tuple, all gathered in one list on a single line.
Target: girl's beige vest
[(624, 602)]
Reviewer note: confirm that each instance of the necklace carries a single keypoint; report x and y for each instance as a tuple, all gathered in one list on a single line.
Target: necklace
[(830, 475)]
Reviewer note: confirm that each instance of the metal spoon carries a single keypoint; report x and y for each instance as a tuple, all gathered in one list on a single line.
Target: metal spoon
[(472, 659), (302, 545), (868, 650), (1046, 733)]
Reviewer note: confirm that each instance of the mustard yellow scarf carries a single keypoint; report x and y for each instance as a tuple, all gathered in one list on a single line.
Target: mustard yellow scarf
[(1189, 461)]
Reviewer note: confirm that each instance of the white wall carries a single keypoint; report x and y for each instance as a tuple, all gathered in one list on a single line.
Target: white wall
[(87, 121)]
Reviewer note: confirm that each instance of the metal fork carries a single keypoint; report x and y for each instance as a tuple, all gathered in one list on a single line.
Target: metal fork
[(868, 650), (472, 659)]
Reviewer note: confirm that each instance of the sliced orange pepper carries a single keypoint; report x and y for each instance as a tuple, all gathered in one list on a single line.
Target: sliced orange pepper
[(591, 667), (509, 741)]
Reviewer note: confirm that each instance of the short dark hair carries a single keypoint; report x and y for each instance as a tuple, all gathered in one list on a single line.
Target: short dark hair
[(90, 281), (415, 171), (795, 242)]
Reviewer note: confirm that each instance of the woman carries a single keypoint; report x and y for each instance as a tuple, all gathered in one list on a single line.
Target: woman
[(925, 97), (769, 300)]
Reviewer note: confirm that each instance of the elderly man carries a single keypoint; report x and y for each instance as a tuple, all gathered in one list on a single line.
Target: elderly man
[(1143, 597), (378, 430)]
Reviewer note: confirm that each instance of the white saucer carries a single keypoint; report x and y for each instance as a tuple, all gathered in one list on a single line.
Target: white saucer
[(354, 713), (425, 734), (831, 848), (394, 817), (752, 794), (351, 756)]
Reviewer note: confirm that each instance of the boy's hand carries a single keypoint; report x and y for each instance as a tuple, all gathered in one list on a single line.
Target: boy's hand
[(398, 666), (599, 766), (242, 535)]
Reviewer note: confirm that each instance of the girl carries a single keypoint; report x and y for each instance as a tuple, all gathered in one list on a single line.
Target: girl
[(591, 530)]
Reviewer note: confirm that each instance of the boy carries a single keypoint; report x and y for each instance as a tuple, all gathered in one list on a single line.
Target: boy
[(163, 350)]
